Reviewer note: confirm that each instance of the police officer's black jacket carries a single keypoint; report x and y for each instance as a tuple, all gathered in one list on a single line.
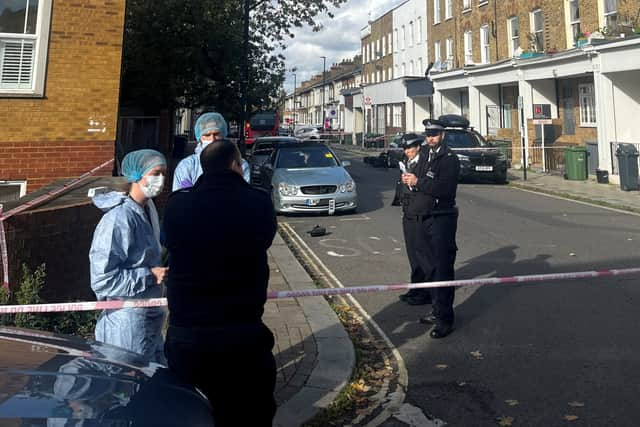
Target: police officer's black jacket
[(217, 234), (435, 192)]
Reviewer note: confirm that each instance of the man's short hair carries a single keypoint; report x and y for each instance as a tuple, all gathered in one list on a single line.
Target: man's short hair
[(218, 156)]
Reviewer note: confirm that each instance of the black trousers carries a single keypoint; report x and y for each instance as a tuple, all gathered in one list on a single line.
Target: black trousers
[(431, 248), (239, 381)]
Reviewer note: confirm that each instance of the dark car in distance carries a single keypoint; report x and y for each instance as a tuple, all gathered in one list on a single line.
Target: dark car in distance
[(261, 150), (478, 158), (55, 380)]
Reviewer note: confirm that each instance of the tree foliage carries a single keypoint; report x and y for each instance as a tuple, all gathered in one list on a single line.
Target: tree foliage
[(189, 52)]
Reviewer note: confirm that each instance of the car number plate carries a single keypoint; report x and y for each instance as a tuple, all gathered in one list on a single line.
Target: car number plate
[(332, 206), (484, 168), (312, 202)]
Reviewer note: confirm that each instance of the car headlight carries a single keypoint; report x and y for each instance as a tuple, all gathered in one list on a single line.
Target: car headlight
[(347, 187), (462, 157), (288, 189)]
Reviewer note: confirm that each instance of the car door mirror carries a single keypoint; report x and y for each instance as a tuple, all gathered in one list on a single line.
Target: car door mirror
[(346, 163)]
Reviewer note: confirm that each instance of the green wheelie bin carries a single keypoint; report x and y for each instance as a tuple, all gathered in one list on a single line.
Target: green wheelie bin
[(575, 163)]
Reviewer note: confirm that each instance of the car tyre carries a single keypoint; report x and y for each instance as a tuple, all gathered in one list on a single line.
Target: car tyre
[(501, 178)]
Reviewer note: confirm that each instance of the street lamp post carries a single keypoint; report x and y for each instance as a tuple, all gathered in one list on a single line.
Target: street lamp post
[(294, 69), (324, 67)]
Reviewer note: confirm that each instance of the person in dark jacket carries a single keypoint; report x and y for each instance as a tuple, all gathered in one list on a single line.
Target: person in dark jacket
[(414, 240), (430, 222), (217, 234)]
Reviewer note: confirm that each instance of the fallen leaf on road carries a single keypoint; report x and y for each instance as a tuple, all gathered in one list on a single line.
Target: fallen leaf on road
[(361, 386), (576, 404), (476, 354), (505, 421), (442, 366), (511, 402), (570, 417)]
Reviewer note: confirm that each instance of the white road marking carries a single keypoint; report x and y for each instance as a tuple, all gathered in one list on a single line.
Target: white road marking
[(374, 238), (414, 417), (395, 399), (350, 252)]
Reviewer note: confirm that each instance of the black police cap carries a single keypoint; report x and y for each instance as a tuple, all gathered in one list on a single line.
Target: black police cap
[(433, 124)]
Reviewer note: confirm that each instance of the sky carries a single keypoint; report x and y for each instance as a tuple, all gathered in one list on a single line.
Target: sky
[(339, 39)]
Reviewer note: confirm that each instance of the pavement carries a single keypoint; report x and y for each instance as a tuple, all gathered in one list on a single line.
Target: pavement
[(314, 354)]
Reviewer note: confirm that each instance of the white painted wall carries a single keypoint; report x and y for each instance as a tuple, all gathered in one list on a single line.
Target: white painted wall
[(626, 98), (544, 92), (403, 15), (487, 95)]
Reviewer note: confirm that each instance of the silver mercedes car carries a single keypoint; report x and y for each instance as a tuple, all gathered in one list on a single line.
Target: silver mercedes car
[(308, 177)]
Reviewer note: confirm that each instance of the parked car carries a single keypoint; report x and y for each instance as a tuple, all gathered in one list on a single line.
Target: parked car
[(308, 177), (310, 132), (395, 152), (478, 158), (261, 150), (285, 131), (54, 380)]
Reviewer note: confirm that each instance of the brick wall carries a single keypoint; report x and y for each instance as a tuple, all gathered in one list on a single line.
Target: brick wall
[(380, 28), (47, 138), (498, 12), (59, 234)]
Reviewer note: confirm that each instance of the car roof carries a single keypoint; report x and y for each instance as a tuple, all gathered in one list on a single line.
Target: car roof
[(277, 139), (300, 144)]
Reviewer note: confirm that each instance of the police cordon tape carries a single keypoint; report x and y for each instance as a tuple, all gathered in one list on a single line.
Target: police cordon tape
[(158, 302), (31, 203)]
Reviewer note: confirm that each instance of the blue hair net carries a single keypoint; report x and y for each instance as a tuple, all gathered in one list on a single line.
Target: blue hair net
[(137, 163), (210, 122)]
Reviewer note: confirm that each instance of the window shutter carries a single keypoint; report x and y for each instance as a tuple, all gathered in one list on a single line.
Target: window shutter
[(16, 64)]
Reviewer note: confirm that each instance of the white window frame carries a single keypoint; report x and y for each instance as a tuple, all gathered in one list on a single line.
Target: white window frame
[(397, 43), (384, 46), (411, 34), (411, 69), (377, 49), (514, 40), (448, 9), (403, 39), (587, 103), (483, 3), (449, 48), (468, 47), (484, 44), (419, 25), (390, 73), (39, 42), (574, 24), (388, 114), (389, 42), (436, 52), (436, 12), (15, 183), (397, 116), (364, 55), (466, 5), (420, 69), (538, 33), (404, 69), (608, 14)]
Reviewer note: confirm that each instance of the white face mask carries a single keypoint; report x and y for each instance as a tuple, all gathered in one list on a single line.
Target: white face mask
[(154, 186)]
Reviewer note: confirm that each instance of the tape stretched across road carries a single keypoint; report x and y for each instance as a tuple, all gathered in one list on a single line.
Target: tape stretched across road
[(157, 302)]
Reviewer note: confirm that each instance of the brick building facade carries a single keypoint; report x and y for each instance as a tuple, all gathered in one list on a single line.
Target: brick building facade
[(59, 120), (492, 55)]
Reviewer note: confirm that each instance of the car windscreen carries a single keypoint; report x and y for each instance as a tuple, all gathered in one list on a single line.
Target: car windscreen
[(460, 139), (266, 152), (263, 121), (305, 157)]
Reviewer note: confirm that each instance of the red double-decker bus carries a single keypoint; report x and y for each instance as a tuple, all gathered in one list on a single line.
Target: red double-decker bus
[(264, 123)]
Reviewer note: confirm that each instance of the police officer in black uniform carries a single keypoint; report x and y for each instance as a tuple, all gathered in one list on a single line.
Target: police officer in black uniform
[(430, 222), (410, 200)]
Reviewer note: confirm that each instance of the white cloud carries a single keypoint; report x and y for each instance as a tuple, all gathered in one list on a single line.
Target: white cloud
[(339, 38)]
